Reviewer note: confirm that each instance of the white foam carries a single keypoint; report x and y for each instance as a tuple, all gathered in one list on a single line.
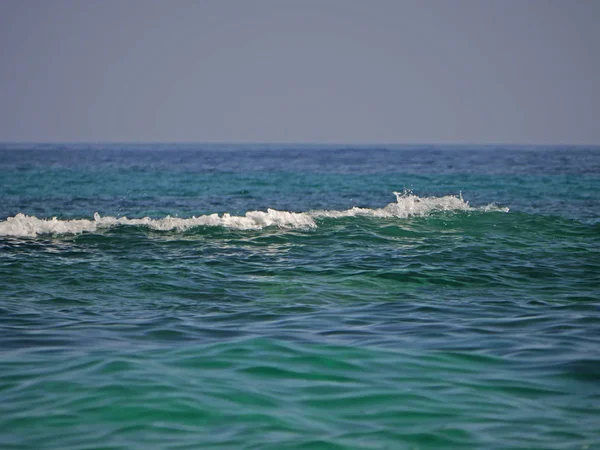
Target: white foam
[(406, 205), (29, 226)]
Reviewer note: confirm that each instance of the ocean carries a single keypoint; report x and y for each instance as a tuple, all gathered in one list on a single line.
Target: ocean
[(299, 297)]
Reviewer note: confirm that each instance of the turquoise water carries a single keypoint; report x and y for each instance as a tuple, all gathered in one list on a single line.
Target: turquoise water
[(283, 297)]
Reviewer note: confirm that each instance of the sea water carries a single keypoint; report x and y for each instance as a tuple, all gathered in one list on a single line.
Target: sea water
[(299, 297)]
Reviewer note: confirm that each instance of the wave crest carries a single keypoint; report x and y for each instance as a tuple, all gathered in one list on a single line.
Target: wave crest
[(406, 205)]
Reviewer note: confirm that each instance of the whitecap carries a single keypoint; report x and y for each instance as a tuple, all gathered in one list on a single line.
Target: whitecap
[(406, 205)]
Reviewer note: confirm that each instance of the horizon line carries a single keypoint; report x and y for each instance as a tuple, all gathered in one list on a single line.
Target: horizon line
[(308, 144)]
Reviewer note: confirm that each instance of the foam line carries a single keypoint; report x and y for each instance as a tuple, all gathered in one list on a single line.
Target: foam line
[(406, 205)]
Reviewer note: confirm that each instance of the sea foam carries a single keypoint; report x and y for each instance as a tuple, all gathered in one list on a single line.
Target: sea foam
[(406, 205)]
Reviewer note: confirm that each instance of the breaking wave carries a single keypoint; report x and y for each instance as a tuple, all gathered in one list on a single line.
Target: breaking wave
[(406, 205)]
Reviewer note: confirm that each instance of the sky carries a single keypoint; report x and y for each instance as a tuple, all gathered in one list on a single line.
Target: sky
[(305, 71)]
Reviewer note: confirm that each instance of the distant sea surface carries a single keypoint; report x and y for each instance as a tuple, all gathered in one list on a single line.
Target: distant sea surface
[(299, 297)]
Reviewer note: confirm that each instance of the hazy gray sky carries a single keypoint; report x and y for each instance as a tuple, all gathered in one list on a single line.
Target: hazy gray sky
[(505, 71)]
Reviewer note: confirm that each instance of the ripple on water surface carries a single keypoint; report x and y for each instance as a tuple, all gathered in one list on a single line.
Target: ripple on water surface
[(242, 305)]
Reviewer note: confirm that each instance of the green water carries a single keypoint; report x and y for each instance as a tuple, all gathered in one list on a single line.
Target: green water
[(428, 323)]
